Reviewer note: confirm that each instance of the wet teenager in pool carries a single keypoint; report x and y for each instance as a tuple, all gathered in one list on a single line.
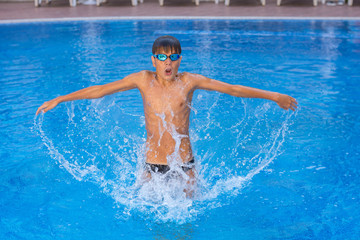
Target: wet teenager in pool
[(167, 96)]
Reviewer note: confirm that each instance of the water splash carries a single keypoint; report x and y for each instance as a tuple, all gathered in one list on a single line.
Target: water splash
[(230, 148)]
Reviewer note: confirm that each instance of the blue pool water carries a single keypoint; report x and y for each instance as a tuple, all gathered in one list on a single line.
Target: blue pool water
[(264, 173)]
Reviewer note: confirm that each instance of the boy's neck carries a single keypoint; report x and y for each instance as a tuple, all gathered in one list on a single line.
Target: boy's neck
[(165, 82)]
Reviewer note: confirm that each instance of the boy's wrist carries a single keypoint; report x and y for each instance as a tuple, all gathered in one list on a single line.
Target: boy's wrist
[(59, 99), (276, 97)]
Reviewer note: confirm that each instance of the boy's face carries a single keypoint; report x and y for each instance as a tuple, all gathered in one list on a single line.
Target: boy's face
[(167, 69)]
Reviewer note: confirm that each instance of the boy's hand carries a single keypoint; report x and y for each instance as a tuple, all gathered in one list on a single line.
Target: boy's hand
[(286, 102), (47, 106)]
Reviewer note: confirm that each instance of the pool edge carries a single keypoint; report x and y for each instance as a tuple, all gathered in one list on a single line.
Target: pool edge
[(35, 20)]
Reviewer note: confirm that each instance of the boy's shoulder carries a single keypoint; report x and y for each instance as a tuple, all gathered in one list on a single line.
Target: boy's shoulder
[(187, 76), (145, 73), (193, 78), (141, 76)]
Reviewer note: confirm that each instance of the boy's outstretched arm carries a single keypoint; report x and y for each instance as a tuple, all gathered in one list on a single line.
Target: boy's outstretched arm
[(98, 91), (284, 101)]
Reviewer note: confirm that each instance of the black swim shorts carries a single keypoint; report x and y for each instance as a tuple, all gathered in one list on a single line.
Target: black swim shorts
[(160, 168)]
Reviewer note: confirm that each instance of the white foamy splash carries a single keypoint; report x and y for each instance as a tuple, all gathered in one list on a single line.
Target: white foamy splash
[(107, 148)]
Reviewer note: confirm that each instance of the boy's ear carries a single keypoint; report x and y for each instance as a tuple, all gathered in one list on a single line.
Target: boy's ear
[(153, 61)]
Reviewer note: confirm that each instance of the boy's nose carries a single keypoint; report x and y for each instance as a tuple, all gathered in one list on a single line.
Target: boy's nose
[(167, 61)]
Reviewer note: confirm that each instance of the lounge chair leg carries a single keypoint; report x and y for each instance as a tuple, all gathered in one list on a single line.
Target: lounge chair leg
[(161, 2), (315, 3), (216, 1), (134, 2), (227, 2), (278, 2), (72, 3), (197, 2), (36, 2), (350, 2), (263, 2)]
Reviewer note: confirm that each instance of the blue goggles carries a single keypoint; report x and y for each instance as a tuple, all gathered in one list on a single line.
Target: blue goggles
[(163, 57)]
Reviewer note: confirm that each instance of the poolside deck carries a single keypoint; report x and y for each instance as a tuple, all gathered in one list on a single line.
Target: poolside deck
[(177, 8)]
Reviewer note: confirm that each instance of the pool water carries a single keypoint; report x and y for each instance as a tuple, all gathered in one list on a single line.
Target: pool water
[(263, 173)]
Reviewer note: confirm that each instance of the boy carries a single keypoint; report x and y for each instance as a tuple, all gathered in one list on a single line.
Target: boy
[(167, 97)]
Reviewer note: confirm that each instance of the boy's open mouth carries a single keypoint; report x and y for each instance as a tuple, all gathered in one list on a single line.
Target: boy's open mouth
[(168, 71)]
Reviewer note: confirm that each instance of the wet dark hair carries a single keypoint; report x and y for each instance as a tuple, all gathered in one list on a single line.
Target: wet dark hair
[(167, 43)]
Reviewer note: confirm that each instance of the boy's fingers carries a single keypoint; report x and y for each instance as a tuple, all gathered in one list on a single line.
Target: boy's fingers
[(293, 104), (41, 109), (38, 111), (293, 100)]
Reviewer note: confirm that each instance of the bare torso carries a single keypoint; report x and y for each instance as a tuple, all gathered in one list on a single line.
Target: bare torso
[(167, 112)]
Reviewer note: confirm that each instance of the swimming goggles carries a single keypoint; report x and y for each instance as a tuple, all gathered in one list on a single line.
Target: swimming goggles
[(163, 57)]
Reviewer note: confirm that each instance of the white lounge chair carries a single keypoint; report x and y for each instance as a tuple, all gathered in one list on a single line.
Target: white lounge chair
[(315, 2), (161, 2), (38, 3), (227, 2), (133, 2)]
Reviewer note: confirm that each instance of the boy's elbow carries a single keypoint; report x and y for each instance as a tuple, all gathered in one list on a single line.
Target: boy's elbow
[(100, 91), (236, 91), (95, 92)]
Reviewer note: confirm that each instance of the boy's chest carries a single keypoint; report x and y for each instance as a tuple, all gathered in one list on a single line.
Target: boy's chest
[(169, 100)]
